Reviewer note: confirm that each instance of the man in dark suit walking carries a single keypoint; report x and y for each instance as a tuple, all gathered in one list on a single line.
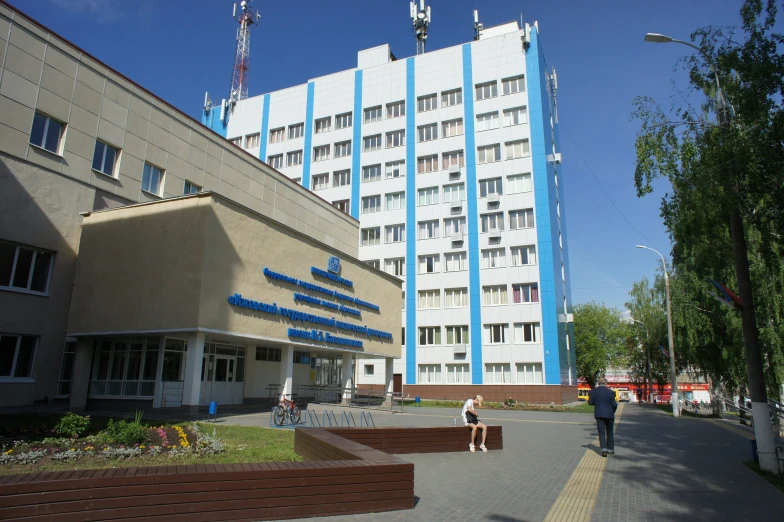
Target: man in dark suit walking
[(603, 400)]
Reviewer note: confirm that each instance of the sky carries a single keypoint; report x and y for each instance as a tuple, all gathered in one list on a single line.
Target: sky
[(179, 49)]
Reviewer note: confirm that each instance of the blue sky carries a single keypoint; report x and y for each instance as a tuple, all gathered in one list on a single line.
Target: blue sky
[(179, 49)]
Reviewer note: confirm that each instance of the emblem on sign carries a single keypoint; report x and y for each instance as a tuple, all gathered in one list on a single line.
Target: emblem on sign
[(334, 265)]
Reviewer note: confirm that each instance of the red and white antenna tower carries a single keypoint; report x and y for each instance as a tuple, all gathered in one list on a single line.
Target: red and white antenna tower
[(239, 78)]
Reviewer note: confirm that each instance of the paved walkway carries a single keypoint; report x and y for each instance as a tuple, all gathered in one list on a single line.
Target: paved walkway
[(664, 469)]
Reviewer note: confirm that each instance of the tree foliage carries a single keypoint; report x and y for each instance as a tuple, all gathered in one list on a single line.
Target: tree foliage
[(600, 335), (648, 331), (685, 145)]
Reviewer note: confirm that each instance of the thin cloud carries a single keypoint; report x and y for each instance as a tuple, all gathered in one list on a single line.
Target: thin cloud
[(102, 11)]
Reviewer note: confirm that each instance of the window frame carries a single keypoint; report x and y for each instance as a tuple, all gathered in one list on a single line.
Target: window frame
[(427, 103), (275, 158), (492, 90), (31, 269), (343, 149), (273, 133), (294, 154), (115, 161), (519, 180), (371, 173), (396, 136), (341, 175), (344, 120), (447, 95), (370, 236), (398, 197), (491, 293), (400, 164), (457, 123), (434, 260), (320, 122), (250, 137), (528, 254), (368, 207), (296, 131), (482, 158), (427, 132), (161, 175), (192, 185), (45, 134), (319, 181), (373, 114), (368, 143), (321, 153), (526, 215), (12, 377), (517, 81), (393, 107)]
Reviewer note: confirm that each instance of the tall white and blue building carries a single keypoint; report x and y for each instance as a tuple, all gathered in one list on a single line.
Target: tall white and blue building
[(451, 162)]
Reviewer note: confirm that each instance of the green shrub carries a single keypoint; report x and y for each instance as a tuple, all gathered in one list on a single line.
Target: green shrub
[(72, 425), (126, 432)]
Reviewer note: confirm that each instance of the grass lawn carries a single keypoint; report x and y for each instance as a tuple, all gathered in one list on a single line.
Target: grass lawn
[(776, 480), (583, 407)]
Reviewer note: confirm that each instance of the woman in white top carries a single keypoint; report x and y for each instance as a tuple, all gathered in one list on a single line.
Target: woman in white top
[(472, 421)]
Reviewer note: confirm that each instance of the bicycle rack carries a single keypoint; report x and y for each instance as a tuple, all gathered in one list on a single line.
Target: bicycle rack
[(328, 418), (312, 419), (306, 421), (366, 420), (349, 418)]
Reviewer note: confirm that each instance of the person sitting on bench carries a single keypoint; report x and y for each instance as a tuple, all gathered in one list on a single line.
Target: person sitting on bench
[(472, 421)]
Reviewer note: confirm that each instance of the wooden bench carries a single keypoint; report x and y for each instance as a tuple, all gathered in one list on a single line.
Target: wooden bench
[(348, 470)]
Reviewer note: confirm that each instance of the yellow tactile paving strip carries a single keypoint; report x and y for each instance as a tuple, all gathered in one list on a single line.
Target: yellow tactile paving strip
[(576, 501)]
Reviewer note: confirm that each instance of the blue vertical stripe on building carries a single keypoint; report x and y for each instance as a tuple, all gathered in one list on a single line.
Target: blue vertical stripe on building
[(306, 154), (411, 260), (264, 139), (356, 145), (212, 121), (544, 191), (474, 289)]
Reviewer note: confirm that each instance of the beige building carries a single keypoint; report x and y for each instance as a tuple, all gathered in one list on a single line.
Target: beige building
[(77, 137)]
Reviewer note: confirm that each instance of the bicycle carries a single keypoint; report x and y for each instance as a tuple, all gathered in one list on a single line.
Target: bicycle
[(286, 408)]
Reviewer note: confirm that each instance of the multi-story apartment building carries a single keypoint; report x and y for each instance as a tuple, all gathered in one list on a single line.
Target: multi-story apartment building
[(450, 160)]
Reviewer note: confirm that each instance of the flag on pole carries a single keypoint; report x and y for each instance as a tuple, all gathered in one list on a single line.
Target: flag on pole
[(664, 351), (725, 296)]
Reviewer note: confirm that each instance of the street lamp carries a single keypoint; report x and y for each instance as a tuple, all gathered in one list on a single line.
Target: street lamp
[(673, 374), (756, 376), (648, 387)]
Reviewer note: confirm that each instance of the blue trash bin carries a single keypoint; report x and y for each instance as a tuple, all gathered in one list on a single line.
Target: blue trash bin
[(416, 401), (213, 411), (754, 455)]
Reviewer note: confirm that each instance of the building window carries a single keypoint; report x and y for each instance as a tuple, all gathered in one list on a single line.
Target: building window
[(296, 131), (496, 333), (454, 225), (427, 196), (456, 335), (369, 369), (517, 149), (513, 85), (427, 103), (455, 298), (427, 132), (457, 374), (396, 267), (450, 98), (497, 374), (455, 261), (237, 142), (395, 233), (529, 373), (372, 143), (396, 201), (372, 263), (128, 367), (294, 158), (492, 221), (427, 164), (489, 154), (276, 162), (105, 158), (429, 374), (429, 299), (371, 173), (66, 368), (395, 169), (191, 188), (320, 181), (494, 295), (46, 133), (454, 192), (521, 219), (301, 358), (152, 179), (343, 121), (371, 204), (429, 264), (323, 125), (298, 181), (525, 293), (24, 268), (397, 109), (277, 135), (17, 353), (527, 333), (341, 178), (267, 354), (373, 114), (428, 229), (452, 128), (396, 138), (519, 183), (252, 141), (342, 149), (494, 258), (491, 186), (488, 121), (524, 255), (453, 160), (429, 335), (321, 153), (487, 90), (371, 236), (516, 116), (342, 205)]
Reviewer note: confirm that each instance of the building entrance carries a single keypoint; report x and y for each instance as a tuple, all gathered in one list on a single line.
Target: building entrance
[(223, 374)]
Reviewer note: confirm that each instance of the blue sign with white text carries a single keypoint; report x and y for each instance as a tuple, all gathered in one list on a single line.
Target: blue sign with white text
[(334, 265)]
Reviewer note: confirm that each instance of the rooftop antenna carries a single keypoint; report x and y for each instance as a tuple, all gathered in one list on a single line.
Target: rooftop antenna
[(477, 26), (239, 77), (420, 18)]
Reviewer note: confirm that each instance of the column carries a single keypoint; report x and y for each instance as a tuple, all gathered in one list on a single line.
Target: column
[(191, 390), (389, 377), (80, 382), (348, 374), (287, 369)]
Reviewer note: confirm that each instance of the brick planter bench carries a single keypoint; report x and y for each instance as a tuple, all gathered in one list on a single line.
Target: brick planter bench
[(346, 472)]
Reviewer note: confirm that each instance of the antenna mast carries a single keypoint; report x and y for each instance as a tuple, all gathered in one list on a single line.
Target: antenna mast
[(477, 26), (420, 19), (239, 78)]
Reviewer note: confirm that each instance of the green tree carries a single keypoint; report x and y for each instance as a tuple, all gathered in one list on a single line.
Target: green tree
[(648, 331), (600, 340)]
